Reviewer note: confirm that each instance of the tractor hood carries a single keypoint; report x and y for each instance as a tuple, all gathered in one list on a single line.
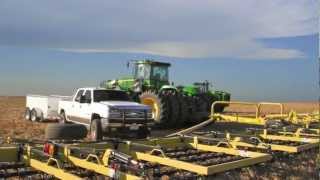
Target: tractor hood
[(125, 105)]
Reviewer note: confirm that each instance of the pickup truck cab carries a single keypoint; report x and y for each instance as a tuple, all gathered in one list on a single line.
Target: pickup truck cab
[(106, 111)]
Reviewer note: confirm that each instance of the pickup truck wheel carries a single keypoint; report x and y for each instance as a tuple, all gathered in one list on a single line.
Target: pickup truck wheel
[(27, 114), (33, 115), (143, 133), (96, 130), (62, 118), (65, 132)]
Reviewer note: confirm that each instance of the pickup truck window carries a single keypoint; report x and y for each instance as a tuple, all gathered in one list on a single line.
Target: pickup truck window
[(77, 99), (110, 95), (87, 95)]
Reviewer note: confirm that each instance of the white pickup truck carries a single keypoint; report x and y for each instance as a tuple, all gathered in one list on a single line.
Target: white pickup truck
[(106, 112)]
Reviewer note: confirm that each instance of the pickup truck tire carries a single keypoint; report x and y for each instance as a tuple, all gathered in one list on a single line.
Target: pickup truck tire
[(33, 115), (27, 114), (62, 118), (65, 131), (96, 130)]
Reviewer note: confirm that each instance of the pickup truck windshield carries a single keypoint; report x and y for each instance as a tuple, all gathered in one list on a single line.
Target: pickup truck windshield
[(109, 95)]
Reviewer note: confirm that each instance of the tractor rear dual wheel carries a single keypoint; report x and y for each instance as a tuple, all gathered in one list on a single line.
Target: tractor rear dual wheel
[(168, 108)]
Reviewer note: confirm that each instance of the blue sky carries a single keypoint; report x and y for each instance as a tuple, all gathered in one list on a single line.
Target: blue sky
[(257, 50)]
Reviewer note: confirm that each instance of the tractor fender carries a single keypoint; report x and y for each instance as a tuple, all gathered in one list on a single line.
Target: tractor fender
[(168, 87)]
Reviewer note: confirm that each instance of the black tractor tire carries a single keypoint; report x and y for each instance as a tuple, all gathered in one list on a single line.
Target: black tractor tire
[(65, 132), (33, 115), (27, 114), (219, 108), (174, 107), (207, 100), (62, 118), (96, 133), (162, 102), (183, 110)]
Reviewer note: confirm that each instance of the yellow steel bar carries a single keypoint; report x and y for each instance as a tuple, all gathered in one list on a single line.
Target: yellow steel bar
[(247, 120), (252, 157), (193, 128), (288, 138), (94, 163), (274, 147), (299, 134), (237, 164), (8, 154), (173, 163), (44, 167), (230, 151), (101, 169)]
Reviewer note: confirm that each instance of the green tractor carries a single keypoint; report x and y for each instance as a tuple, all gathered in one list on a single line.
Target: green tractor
[(171, 105)]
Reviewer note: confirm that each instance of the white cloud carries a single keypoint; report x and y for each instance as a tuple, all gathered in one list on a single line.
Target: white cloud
[(245, 49), (176, 28)]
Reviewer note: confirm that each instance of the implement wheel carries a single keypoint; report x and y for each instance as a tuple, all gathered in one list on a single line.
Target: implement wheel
[(159, 105)]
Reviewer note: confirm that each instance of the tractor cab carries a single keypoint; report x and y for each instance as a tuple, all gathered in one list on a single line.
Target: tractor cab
[(153, 74)]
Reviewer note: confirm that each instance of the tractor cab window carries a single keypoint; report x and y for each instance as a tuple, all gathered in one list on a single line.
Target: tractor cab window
[(142, 71), (160, 73)]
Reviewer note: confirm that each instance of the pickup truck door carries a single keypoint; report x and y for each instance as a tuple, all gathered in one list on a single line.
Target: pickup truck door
[(85, 108), (73, 113)]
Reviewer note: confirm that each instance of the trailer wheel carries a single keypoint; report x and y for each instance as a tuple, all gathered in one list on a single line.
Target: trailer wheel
[(27, 114), (65, 131), (33, 115), (96, 130), (41, 118)]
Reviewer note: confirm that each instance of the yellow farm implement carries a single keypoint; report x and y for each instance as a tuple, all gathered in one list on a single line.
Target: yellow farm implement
[(258, 118)]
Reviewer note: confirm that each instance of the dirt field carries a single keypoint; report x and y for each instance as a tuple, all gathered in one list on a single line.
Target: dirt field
[(300, 167)]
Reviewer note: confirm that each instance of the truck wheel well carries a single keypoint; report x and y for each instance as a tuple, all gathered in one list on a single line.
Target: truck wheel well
[(95, 116)]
